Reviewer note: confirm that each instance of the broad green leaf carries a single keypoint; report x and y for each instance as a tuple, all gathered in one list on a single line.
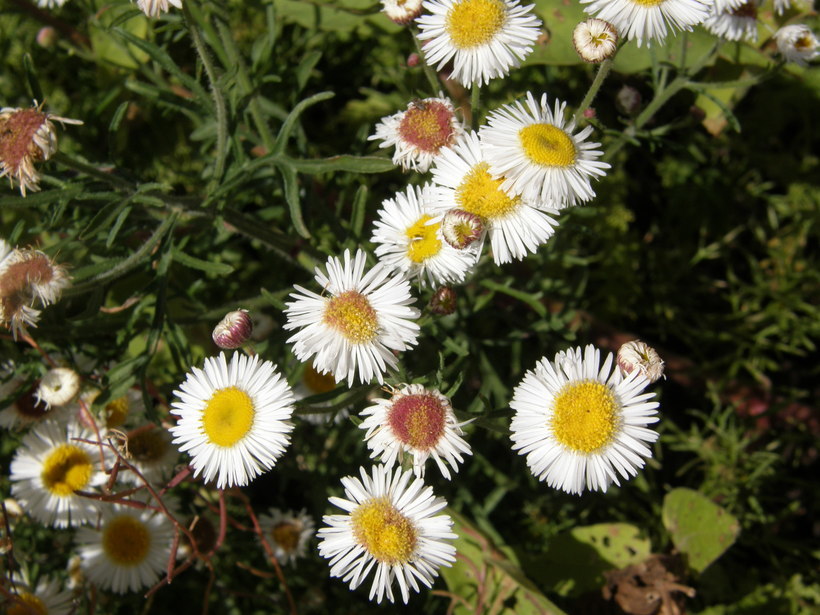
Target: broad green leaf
[(700, 529)]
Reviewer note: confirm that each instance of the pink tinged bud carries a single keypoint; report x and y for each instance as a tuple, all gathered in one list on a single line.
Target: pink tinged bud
[(443, 301), (413, 60), (639, 356), (589, 113), (461, 228), (233, 330), (46, 37)]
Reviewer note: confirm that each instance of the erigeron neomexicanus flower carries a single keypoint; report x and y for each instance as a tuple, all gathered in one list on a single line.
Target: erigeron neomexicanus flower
[(233, 330), (595, 40), (736, 23), (288, 533), (401, 12), (638, 355), (797, 43)]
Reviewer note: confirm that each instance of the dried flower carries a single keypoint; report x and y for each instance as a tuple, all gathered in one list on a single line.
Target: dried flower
[(595, 40), (26, 136), (233, 330), (640, 356), (443, 301)]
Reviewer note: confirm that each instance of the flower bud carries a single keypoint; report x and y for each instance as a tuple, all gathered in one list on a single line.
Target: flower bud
[(233, 330), (401, 12), (797, 43), (628, 100), (640, 356), (443, 301), (46, 37), (460, 228), (413, 60), (58, 387), (595, 40)]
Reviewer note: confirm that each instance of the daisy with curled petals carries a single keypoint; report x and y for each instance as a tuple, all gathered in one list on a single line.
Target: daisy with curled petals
[(356, 324), (129, 550), (391, 524), (409, 241), (47, 598), (580, 424), (648, 20), (419, 132), (418, 421), (483, 38), (736, 23), (288, 533), (233, 418), (797, 43), (534, 149), (50, 467), (514, 224)]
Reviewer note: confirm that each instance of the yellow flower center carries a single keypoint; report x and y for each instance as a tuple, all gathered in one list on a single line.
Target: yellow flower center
[(316, 382), (126, 541), (148, 446), (649, 3), (26, 604), (423, 241), (286, 535), (116, 412), (388, 535), (66, 469), (482, 195), (471, 23), (584, 416), (804, 42), (351, 314), (228, 416), (547, 145)]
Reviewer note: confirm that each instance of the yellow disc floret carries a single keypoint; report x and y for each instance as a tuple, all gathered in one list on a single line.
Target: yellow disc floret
[(482, 195), (584, 416), (66, 469), (384, 531), (286, 535), (116, 412), (471, 23), (25, 603), (351, 314), (228, 416), (126, 541), (547, 145), (424, 242), (649, 3)]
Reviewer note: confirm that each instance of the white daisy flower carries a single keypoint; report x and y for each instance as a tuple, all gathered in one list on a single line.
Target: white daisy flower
[(595, 40), (409, 241), (128, 409), (735, 24), (797, 44), (483, 38), (722, 6), (515, 225), (233, 418), (391, 526), (580, 424), (534, 149), (47, 598), (418, 421), (50, 467), (288, 533), (313, 382), (649, 19), (401, 12), (781, 6), (129, 551), (356, 324), (58, 387), (419, 132), (150, 450), (24, 410), (155, 8)]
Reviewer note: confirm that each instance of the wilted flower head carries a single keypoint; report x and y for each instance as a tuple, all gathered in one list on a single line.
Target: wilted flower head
[(58, 387), (595, 40), (401, 11), (640, 356), (26, 136), (233, 330), (443, 301), (26, 276), (155, 8), (797, 44)]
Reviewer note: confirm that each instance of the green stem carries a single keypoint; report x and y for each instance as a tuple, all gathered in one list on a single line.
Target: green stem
[(245, 85), (432, 77), (91, 171), (603, 70), (219, 101), (475, 103)]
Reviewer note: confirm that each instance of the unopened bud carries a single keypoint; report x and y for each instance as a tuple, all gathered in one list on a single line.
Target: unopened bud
[(595, 40), (413, 60), (233, 330), (443, 301), (639, 356), (58, 387), (589, 113), (628, 100), (461, 228), (401, 11), (46, 37)]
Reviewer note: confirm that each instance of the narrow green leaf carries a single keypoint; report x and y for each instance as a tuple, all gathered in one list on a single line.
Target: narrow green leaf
[(196, 263), (290, 123), (114, 124), (305, 67), (357, 215), (31, 79), (350, 164), (115, 229), (292, 198)]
